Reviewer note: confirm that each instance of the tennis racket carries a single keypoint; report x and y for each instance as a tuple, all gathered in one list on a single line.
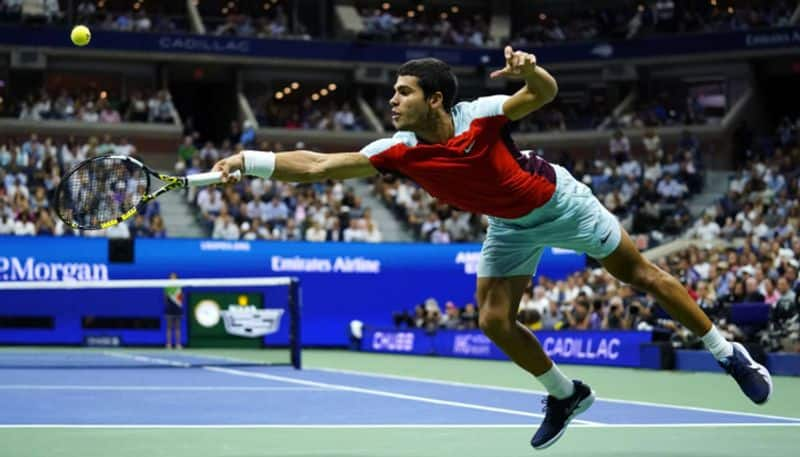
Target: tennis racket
[(106, 190)]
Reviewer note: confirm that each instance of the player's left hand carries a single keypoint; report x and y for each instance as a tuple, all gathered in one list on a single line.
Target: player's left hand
[(519, 65)]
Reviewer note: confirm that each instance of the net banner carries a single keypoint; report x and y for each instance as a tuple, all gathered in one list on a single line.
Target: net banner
[(231, 319), (613, 348)]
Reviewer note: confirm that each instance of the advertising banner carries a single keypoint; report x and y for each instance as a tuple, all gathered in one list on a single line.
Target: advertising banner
[(340, 282), (613, 348), (349, 51), (229, 319)]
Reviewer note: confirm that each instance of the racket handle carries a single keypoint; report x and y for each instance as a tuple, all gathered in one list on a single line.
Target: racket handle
[(212, 177)]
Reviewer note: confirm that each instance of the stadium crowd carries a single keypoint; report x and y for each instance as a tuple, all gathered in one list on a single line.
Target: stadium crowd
[(96, 106), (30, 172), (759, 273), (307, 114), (426, 26), (630, 20), (444, 26), (264, 209), (274, 25)]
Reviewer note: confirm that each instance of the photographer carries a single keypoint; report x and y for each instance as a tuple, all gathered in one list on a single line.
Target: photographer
[(617, 317), (578, 316)]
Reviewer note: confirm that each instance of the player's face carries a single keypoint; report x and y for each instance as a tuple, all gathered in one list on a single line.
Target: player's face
[(410, 109)]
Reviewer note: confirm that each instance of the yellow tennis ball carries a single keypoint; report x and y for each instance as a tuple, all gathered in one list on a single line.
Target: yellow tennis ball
[(80, 35)]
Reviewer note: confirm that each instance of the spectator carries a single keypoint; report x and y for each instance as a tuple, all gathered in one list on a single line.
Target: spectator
[(783, 329), (706, 229), (225, 228), (157, 227), (186, 151), (752, 294), (619, 146), (161, 108), (553, 318)]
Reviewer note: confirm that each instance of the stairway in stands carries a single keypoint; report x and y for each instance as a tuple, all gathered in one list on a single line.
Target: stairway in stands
[(179, 217), (391, 228)]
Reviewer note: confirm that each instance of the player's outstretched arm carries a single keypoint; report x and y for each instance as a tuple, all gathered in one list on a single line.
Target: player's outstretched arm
[(540, 87), (296, 166)]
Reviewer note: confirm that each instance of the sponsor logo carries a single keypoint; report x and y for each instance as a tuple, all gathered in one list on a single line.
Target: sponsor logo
[(29, 269), (393, 342), (582, 348), (468, 149), (472, 344), (224, 246), (252, 322), (299, 264), (603, 50), (470, 261), (204, 44), (778, 38)]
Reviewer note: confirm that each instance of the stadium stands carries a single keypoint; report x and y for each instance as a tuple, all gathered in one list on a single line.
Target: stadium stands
[(464, 25), (30, 172), (571, 21), (94, 106), (644, 177)]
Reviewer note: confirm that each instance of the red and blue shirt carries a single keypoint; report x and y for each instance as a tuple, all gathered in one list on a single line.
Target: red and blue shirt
[(479, 169)]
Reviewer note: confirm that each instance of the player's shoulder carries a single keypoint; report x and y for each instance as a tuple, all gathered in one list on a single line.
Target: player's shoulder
[(378, 146), (467, 111), (481, 106)]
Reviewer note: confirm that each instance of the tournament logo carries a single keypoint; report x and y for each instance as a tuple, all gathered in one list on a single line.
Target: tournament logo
[(252, 322)]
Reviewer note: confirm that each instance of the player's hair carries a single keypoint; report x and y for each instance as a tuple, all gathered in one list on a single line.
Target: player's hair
[(434, 76)]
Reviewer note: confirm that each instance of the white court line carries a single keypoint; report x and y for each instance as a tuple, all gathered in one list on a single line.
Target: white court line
[(539, 392), (381, 426), (145, 359), (381, 393), (153, 388)]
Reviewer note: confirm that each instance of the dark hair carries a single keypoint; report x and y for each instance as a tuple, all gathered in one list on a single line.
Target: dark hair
[(434, 76)]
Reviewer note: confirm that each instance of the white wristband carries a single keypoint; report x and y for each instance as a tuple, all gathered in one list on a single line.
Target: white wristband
[(258, 163)]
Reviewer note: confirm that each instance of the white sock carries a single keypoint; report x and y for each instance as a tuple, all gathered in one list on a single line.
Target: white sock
[(717, 344), (556, 383)]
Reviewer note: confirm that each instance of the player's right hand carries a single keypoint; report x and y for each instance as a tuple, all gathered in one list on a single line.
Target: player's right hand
[(228, 165)]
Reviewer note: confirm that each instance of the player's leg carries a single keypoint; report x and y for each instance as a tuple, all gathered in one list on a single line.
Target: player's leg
[(498, 298), (628, 265), (498, 301)]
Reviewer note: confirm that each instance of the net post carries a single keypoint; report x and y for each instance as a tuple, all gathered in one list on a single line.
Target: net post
[(295, 342)]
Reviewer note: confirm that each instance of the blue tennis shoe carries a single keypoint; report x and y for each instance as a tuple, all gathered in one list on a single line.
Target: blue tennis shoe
[(752, 377), (559, 413)]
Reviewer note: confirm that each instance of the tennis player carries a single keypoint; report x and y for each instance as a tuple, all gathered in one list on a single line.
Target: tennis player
[(462, 154)]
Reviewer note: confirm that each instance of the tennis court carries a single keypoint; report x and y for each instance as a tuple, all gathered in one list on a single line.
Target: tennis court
[(353, 404)]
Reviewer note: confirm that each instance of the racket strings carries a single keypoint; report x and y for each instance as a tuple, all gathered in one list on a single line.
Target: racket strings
[(102, 190)]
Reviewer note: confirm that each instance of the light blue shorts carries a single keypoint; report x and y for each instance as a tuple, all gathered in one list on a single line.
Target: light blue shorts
[(573, 219)]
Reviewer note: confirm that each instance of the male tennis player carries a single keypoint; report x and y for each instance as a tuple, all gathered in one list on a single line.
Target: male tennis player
[(463, 155)]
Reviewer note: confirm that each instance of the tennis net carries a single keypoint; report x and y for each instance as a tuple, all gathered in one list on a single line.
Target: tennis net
[(122, 323)]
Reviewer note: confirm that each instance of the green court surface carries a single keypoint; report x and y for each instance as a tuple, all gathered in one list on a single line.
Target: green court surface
[(694, 391)]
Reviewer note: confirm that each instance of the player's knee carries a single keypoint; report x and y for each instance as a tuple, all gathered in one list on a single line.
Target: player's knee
[(648, 278), (493, 323)]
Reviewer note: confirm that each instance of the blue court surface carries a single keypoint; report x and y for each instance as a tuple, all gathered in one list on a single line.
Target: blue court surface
[(278, 396)]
